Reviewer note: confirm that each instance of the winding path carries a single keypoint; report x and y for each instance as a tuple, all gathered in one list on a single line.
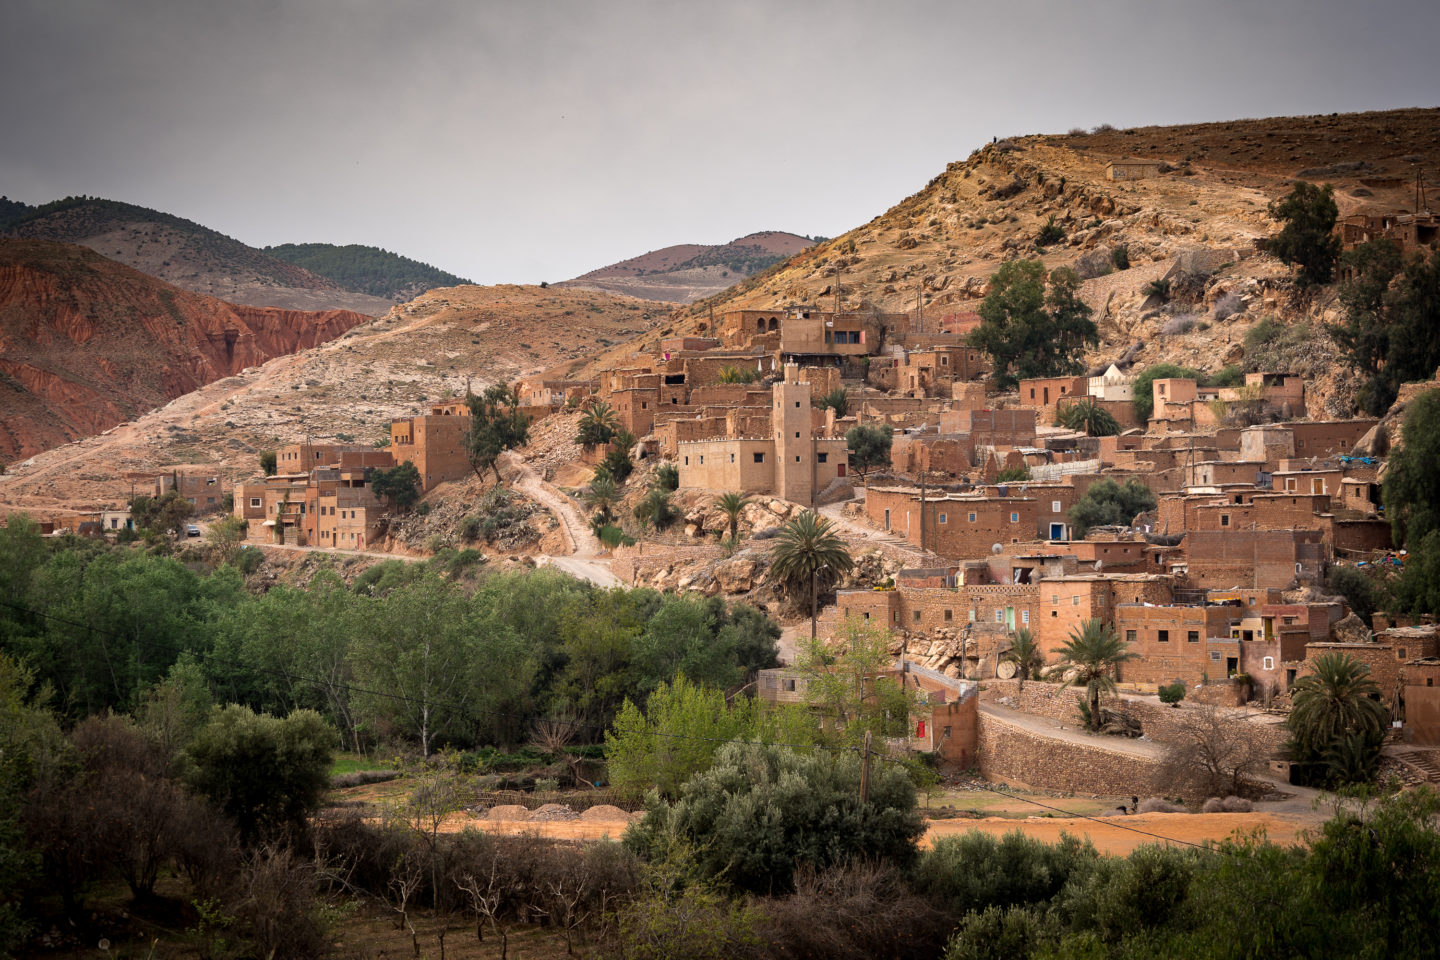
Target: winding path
[(584, 547)]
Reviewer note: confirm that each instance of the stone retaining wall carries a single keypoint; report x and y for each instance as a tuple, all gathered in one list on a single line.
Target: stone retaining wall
[(1012, 754)]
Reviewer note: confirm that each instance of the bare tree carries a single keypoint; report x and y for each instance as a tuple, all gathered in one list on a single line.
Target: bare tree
[(1213, 753)]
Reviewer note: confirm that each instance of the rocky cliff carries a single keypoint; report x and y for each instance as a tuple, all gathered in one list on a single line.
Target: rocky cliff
[(87, 343)]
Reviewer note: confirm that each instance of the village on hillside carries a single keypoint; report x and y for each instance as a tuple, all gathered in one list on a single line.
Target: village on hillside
[(1002, 525)]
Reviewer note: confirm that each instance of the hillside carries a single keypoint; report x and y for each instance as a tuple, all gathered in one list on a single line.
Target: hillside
[(188, 255), (87, 343), (688, 271), (1200, 219), (368, 270), (346, 389)]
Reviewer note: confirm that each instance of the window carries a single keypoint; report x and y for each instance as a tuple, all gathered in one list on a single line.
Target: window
[(972, 517), (917, 616), (942, 518), (972, 616), (1400, 654), (797, 458), (797, 434), (1269, 663), (1215, 655), (1054, 598), (1129, 636), (949, 615), (732, 458), (1054, 506), (797, 407), (1192, 636), (254, 501), (1224, 519), (702, 459), (687, 461), (1075, 600), (1014, 517), (1025, 617), (759, 458), (1163, 636), (822, 458), (999, 616)]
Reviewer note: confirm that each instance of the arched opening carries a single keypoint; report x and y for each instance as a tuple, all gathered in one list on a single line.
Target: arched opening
[(774, 324), (760, 325)]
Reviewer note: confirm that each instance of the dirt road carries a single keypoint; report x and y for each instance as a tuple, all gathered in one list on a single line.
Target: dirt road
[(584, 547)]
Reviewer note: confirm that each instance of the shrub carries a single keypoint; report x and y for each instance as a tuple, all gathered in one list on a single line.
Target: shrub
[(971, 871), (1172, 693), (265, 773), (1013, 475), (667, 476), (1178, 325), (1120, 257), (470, 528), (248, 559), (1229, 305), (1159, 289), (809, 807), (1050, 234)]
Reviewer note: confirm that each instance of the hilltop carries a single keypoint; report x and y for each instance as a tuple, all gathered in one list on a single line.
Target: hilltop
[(1201, 216), (186, 254), (368, 270), (688, 271), (346, 390), (87, 343)]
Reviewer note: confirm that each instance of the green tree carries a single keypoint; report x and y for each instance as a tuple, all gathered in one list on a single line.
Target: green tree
[(267, 774), (655, 509), (667, 475), (400, 485), (1365, 336), (836, 400), (1339, 699), (1360, 591), (1143, 398), (267, 462), (1307, 239), (496, 425), (1412, 485), (1027, 656), (869, 445), (167, 513), (850, 688), (1087, 415), (1030, 332), (732, 503), (597, 426), (760, 811), (1091, 658), (601, 496), (1108, 504), (674, 737), (805, 548)]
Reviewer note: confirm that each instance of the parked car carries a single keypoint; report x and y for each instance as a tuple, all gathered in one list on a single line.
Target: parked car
[(191, 530)]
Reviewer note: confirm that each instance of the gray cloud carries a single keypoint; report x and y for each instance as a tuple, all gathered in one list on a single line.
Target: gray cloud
[(521, 141)]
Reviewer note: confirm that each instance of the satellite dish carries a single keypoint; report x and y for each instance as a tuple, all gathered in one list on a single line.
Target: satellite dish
[(995, 548), (1099, 565)]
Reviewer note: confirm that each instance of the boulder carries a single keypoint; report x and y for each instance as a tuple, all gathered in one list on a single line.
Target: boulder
[(739, 574)]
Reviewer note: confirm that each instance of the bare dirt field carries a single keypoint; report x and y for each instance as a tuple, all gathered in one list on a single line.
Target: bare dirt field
[(1118, 838)]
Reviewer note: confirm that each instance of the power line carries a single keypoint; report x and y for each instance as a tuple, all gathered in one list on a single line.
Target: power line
[(473, 713)]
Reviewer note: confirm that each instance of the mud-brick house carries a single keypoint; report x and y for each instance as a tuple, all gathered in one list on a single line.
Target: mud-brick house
[(792, 463), (435, 442)]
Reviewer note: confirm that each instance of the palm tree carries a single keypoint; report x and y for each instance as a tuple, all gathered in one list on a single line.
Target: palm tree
[(601, 496), (803, 548), (729, 375), (836, 400), (1339, 699), (598, 425), (1094, 653), (655, 509), (1089, 416), (1027, 656), (731, 503)]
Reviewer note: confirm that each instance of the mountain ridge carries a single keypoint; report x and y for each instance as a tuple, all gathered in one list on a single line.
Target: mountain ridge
[(685, 272)]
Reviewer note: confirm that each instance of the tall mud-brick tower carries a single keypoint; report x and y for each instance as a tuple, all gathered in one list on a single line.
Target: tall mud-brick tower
[(794, 446)]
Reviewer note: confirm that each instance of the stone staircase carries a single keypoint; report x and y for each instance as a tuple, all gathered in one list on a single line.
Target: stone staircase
[(1424, 762)]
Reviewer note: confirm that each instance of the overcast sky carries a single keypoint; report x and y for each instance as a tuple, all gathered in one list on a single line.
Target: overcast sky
[(532, 140)]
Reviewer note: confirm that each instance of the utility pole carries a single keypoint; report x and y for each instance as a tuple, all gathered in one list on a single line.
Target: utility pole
[(865, 770)]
